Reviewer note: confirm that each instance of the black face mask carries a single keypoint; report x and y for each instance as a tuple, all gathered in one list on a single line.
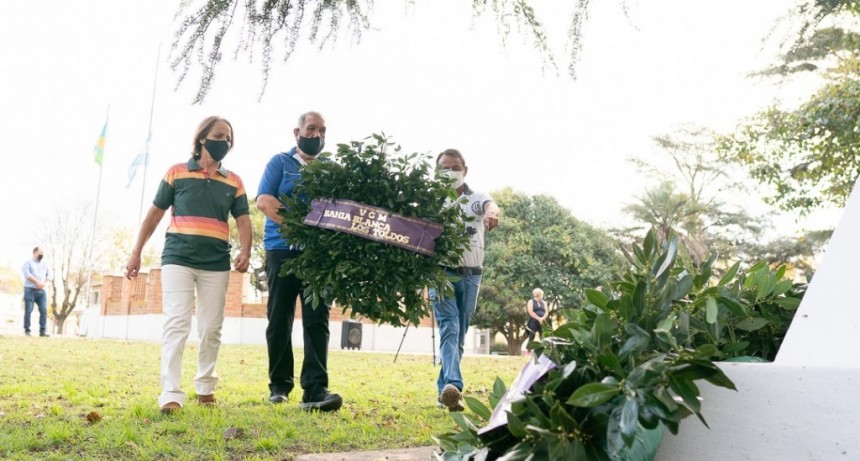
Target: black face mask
[(39, 258), (311, 146), (217, 149)]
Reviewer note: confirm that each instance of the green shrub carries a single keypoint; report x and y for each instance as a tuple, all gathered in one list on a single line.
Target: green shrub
[(630, 359)]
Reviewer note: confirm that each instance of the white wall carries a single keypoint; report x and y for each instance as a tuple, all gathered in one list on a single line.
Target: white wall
[(781, 413), (379, 338), (12, 314)]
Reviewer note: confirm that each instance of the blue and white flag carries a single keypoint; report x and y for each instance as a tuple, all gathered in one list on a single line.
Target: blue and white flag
[(141, 159)]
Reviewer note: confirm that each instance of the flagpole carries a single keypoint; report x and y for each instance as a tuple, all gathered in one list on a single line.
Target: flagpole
[(95, 221), (98, 195), (148, 137)]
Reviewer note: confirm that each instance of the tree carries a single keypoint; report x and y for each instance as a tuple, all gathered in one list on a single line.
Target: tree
[(113, 249), (69, 250), (10, 281), (204, 29), (538, 244), (699, 213), (809, 156), (672, 213), (703, 220)]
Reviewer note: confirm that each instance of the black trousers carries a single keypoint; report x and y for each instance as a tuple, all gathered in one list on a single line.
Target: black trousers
[(281, 311), (534, 326)]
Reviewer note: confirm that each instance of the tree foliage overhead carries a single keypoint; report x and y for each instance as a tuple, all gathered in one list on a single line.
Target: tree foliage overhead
[(203, 33), (694, 201), (690, 198), (815, 34), (808, 156), (538, 244), (264, 24)]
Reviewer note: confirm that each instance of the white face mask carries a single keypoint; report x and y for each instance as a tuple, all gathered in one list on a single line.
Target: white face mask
[(457, 176)]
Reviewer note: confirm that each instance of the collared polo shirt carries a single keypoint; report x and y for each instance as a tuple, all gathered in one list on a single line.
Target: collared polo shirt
[(199, 236), (281, 176), (474, 206)]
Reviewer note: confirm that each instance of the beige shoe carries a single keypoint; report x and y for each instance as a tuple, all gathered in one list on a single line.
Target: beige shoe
[(206, 400), (450, 398), (170, 407)]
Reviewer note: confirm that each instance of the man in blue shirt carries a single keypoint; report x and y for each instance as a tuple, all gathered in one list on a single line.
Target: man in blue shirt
[(280, 178), (36, 275)]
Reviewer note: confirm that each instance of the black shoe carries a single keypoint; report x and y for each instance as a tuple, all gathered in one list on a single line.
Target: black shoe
[(325, 401), (44, 335), (27, 333), (278, 397)]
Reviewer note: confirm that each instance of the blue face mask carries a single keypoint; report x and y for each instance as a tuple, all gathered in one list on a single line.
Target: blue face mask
[(217, 149), (311, 146)]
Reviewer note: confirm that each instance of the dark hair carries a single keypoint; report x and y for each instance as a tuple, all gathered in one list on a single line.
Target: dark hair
[(452, 153), (35, 249), (203, 130)]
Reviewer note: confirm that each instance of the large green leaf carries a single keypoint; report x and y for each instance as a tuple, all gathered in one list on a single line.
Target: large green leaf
[(516, 426), (561, 419), (596, 297), (688, 392), (733, 306), (720, 379), (789, 303), (730, 274), (602, 330), (629, 419), (593, 394), (731, 348), (634, 345), (711, 310), (464, 422), (751, 324), (668, 259), (568, 369), (519, 452), (478, 408), (782, 287)]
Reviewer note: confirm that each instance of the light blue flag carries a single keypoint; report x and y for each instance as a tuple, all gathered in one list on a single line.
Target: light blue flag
[(141, 159)]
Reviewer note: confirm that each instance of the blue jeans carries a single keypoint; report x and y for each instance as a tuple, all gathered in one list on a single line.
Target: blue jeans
[(38, 296), (453, 316)]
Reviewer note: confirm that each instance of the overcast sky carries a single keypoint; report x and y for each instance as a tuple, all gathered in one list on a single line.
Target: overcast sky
[(428, 75)]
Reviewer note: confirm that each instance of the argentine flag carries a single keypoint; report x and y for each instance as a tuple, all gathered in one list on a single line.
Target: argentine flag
[(142, 159)]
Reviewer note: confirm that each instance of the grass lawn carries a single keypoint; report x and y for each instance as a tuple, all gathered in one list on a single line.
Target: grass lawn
[(49, 386)]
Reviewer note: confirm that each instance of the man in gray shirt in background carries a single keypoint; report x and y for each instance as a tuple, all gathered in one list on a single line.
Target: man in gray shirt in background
[(36, 275)]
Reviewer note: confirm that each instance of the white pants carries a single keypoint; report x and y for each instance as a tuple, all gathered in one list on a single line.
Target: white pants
[(178, 283)]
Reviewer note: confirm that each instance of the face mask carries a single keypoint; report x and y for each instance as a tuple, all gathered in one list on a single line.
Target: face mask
[(217, 149), (311, 146), (39, 258), (457, 176)]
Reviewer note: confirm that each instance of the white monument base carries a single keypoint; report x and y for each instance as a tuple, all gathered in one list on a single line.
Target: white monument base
[(780, 413)]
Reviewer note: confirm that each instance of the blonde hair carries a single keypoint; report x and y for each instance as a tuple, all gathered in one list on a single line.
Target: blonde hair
[(537, 291)]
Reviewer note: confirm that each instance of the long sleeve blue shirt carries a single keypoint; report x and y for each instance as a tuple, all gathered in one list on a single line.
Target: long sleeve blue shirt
[(38, 269)]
